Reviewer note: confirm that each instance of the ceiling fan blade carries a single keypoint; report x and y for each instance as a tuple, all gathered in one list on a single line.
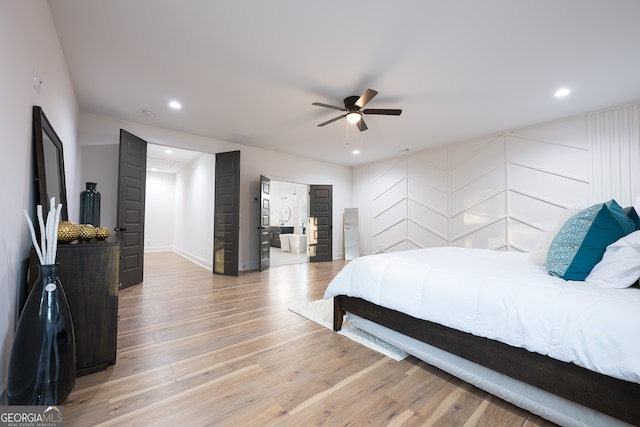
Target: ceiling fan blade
[(384, 111), (362, 125), (320, 104), (331, 121), (366, 97)]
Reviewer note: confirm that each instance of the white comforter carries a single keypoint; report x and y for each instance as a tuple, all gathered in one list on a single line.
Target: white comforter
[(503, 296)]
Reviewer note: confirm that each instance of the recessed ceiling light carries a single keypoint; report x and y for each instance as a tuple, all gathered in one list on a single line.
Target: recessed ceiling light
[(148, 113), (356, 151), (562, 92), (168, 151), (175, 105)]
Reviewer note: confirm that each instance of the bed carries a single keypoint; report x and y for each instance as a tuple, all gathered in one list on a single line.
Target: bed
[(566, 350)]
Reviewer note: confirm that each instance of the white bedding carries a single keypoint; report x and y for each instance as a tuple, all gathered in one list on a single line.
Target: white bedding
[(503, 296)]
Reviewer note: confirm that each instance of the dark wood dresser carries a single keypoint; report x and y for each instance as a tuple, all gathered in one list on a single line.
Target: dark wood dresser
[(89, 272)]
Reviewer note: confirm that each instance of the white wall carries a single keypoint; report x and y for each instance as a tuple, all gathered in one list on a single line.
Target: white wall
[(28, 42), (295, 197), (97, 130), (194, 201), (501, 191), (96, 165), (160, 212)]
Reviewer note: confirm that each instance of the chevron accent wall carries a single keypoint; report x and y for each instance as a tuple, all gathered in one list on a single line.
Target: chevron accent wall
[(500, 192)]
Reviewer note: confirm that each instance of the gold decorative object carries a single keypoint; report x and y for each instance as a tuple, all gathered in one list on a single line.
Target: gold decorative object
[(87, 232), (102, 233), (68, 231)]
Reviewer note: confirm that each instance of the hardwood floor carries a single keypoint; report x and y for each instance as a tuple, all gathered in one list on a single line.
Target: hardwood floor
[(199, 349)]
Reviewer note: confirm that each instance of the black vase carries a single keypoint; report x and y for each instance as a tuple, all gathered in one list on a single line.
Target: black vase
[(42, 366), (90, 205)]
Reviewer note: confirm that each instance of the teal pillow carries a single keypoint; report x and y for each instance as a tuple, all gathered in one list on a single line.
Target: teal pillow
[(633, 215), (583, 239)]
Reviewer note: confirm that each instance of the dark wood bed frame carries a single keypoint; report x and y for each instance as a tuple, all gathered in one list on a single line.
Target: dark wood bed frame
[(618, 398)]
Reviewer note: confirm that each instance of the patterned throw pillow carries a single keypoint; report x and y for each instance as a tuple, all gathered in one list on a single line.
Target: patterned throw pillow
[(583, 239)]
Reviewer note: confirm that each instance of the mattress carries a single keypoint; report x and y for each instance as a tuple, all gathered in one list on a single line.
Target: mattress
[(503, 296)]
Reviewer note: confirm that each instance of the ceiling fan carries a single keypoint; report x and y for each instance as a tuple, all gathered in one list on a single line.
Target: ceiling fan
[(353, 105)]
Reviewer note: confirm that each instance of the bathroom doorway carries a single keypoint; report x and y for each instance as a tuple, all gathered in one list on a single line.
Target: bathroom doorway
[(289, 213)]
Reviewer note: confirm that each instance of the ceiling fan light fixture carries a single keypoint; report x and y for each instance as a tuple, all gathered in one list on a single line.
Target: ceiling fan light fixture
[(353, 110), (353, 117)]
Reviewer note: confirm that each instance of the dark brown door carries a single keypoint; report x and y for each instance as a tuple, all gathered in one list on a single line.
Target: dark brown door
[(265, 213), (132, 175), (320, 223), (226, 222)]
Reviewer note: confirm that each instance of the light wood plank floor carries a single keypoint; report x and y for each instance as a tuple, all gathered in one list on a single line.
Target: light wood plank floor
[(198, 349)]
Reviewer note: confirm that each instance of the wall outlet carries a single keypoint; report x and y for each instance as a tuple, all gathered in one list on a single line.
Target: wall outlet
[(36, 81)]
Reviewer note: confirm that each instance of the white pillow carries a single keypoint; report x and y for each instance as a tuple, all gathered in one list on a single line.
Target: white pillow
[(620, 264)]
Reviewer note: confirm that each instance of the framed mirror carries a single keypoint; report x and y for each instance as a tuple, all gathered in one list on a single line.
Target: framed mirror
[(49, 163)]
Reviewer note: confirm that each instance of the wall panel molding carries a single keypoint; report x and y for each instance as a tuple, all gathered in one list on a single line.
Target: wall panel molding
[(502, 191), (615, 137)]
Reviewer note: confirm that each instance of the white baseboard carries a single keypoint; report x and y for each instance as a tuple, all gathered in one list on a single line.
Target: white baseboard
[(158, 249), (193, 258)]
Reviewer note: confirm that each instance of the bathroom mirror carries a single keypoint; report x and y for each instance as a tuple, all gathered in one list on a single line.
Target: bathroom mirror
[(49, 163)]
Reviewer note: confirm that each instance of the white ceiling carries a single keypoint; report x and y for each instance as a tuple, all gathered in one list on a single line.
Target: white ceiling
[(248, 71), (163, 159)]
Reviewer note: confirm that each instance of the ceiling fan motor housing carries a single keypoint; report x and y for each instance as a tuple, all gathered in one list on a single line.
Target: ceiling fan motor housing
[(350, 104)]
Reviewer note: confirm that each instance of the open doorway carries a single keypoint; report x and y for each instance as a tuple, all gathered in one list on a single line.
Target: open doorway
[(180, 199), (288, 223)]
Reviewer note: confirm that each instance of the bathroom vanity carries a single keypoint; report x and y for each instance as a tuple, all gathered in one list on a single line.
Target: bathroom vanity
[(275, 232)]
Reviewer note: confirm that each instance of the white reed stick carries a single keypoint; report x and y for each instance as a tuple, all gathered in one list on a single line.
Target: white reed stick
[(33, 237), (56, 224), (50, 220), (48, 233), (43, 231), (48, 246)]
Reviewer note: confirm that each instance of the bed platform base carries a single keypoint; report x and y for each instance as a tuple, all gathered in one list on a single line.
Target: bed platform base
[(614, 397)]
